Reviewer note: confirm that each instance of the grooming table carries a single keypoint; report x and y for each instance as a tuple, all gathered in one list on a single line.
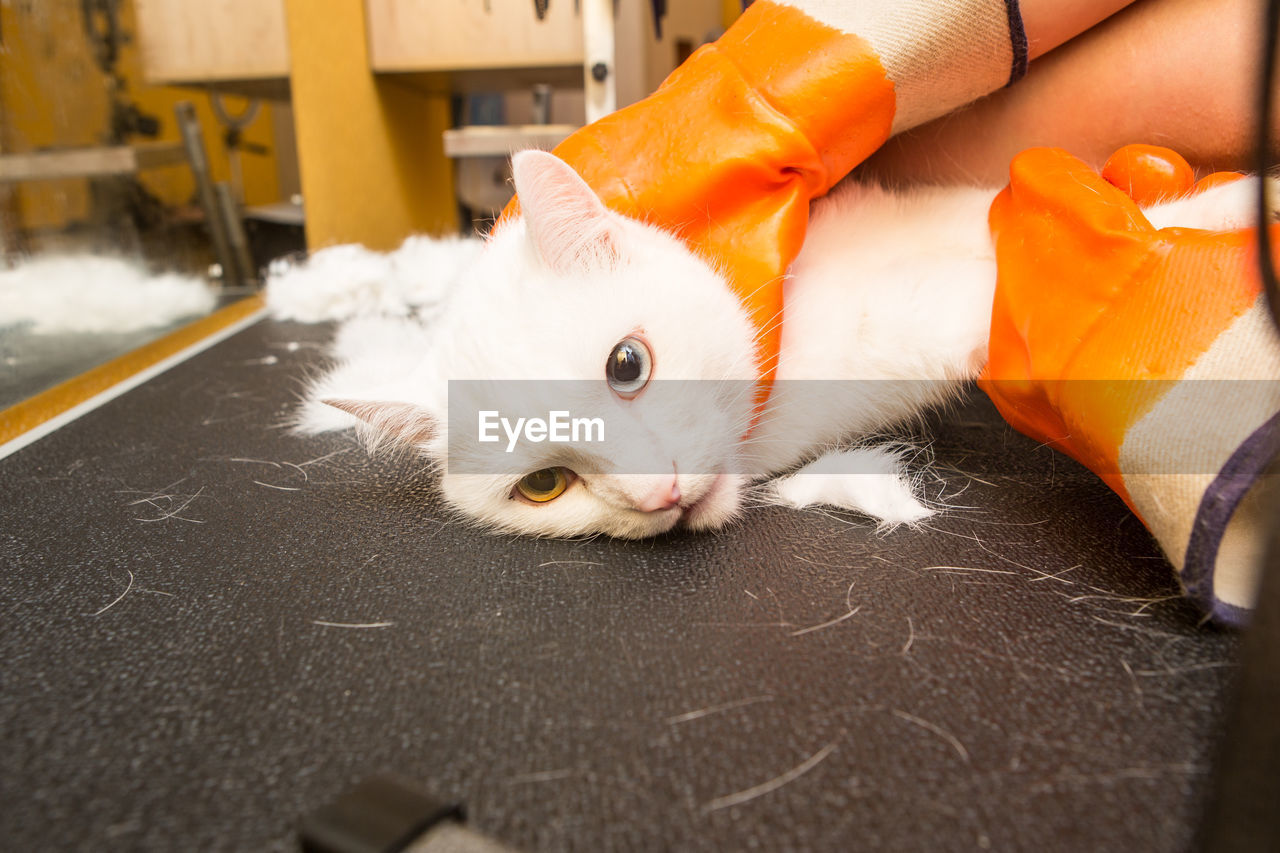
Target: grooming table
[(212, 627)]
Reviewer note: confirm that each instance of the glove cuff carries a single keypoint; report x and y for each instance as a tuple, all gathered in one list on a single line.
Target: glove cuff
[(939, 56), (1193, 465)]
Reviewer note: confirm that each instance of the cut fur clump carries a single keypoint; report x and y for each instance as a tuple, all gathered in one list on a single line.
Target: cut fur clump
[(95, 294)]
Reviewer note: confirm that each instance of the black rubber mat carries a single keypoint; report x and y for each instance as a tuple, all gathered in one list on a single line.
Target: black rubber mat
[(211, 627)]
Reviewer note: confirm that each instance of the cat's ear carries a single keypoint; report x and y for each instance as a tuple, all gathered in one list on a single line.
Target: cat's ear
[(403, 423), (570, 227)]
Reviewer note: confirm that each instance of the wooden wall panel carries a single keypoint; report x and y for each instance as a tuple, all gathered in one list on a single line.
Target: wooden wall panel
[(213, 40), (437, 35)]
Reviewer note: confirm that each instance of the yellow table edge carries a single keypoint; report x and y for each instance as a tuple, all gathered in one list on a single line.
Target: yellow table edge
[(23, 418)]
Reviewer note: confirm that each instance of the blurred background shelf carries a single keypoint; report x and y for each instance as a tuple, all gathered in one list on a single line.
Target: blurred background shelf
[(390, 80), (451, 35), (501, 140), (228, 42), (89, 162)]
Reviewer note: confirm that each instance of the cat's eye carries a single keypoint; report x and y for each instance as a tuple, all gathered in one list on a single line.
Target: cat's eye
[(628, 367), (544, 485)]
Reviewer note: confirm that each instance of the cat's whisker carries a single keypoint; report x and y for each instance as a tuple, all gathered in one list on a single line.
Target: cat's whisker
[(118, 598), (775, 783), (274, 486)]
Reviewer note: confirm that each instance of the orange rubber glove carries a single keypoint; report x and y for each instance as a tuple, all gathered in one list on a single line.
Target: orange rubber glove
[(1104, 333), (733, 146)]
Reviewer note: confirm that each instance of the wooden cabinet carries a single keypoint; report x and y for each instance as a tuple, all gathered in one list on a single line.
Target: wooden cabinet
[(481, 43), (375, 76), (495, 44), (213, 41), (458, 35)]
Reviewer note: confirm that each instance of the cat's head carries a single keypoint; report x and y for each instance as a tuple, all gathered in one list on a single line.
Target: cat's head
[(574, 308)]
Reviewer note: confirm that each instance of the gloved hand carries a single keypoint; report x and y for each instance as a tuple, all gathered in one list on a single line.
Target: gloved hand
[(730, 150), (1132, 349)]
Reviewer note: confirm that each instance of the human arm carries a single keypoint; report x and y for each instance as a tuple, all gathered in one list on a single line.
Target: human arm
[(1182, 73)]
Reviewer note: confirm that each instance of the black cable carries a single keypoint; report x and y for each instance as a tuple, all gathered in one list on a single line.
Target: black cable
[(1241, 813), (1262, 154)]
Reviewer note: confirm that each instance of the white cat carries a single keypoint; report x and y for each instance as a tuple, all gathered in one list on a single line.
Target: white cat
[(889, 302)]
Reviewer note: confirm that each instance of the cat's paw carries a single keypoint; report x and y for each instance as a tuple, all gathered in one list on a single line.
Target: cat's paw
[(869, 480), (1227, 207)]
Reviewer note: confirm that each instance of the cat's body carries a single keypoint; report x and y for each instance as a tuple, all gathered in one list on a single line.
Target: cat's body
[(891, 298), (887, 312)]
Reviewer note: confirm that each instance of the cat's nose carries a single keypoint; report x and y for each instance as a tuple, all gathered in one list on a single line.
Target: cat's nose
[(664, 496)]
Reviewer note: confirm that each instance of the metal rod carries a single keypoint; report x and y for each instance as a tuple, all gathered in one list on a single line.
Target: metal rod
[(233, 222), (193, 141), (600, 75)]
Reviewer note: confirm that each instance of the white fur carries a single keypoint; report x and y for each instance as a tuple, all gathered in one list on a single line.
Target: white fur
[(871, 480), (341, 282), (1226, 207), (90, 293), (890, 298)]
